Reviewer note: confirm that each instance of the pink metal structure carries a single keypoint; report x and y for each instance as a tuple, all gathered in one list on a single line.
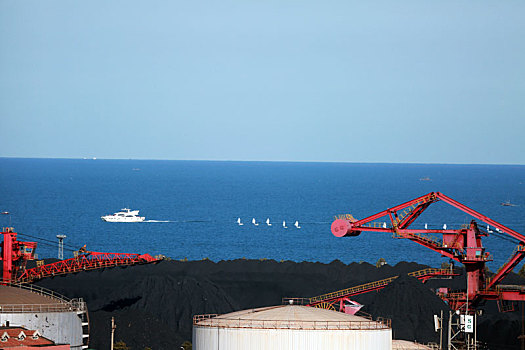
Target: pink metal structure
[(463, 245), (83, 262), (341, 299), (16, 253)]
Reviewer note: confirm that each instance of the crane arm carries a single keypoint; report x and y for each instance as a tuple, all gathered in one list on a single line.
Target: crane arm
[(413, 209), (463, 245), (506, 268), (481, 217)]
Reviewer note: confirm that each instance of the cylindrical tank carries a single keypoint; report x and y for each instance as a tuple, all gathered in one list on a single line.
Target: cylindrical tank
[(289, 327), (57, 318)]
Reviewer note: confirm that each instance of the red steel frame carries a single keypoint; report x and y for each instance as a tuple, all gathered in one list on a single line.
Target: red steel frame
[(463, 245), (16, 253), (339, 297), (88, 261)]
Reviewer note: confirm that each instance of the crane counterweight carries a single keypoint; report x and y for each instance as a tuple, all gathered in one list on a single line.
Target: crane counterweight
[(342, 228)]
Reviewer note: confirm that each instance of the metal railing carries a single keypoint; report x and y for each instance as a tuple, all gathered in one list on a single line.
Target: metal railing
[(61, 303), (58, 307), (374, 285), (352, 290), (295, 301), (431, 240), (213, 321)]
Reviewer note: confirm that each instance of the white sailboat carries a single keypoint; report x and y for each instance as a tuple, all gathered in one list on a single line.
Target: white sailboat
[(254, 222), (239, 222), (268, 222), (489, 230), (284, 224), (297, 224)]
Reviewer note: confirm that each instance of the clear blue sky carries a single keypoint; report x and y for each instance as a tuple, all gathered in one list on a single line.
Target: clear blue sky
[(356, 81)]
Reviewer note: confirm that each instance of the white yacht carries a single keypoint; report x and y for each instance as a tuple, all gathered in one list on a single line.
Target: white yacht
[(126, 215)]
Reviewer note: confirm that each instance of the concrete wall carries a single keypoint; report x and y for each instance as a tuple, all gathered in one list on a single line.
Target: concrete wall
[(60, 327), (216, 338)]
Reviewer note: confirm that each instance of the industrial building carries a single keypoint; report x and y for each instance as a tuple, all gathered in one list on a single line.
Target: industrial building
[(19, 338), (290, 327), (62, 320)]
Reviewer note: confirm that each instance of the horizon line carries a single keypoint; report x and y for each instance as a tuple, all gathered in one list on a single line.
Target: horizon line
[(259, 161)]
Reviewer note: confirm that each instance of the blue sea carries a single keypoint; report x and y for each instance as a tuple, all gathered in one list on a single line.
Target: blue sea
[(199, 203)]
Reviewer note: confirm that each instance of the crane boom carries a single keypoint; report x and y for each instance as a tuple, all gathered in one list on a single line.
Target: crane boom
[(463, 245)]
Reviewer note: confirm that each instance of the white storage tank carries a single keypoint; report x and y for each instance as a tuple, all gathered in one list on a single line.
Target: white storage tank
[(289, 327), (62, 320)]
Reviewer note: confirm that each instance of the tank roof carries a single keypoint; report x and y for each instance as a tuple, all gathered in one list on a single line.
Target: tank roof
[(14, 296), (288, 316), (291, 313)]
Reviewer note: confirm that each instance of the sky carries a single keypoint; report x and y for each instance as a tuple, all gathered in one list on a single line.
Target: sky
[(346, 81)]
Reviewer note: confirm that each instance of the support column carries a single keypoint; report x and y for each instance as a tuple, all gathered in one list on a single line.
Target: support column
[(7, 254)]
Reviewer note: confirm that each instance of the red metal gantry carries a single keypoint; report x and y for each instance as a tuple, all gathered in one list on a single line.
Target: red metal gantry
[(463, 245), (341, 299), (16, 253)]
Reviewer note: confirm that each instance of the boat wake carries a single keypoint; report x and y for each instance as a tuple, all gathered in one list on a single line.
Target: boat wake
[(178, 221), (195, 221)]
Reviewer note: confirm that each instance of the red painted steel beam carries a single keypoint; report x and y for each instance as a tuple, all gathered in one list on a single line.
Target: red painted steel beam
[(513, 295), (422, 278), (480, 216), (507, 267), (410, 218), (88, 261), (7, 255), (426, 198), (347, 295)]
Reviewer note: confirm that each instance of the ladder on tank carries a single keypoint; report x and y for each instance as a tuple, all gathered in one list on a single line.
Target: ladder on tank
[(82, 313)]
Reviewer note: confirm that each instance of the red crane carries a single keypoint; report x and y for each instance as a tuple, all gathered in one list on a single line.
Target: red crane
[(16, 253), (463, 245)]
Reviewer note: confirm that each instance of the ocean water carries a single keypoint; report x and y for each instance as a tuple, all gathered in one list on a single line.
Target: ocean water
[(201, 201)]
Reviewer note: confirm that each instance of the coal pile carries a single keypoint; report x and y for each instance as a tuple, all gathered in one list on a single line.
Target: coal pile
[(153, 304)]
